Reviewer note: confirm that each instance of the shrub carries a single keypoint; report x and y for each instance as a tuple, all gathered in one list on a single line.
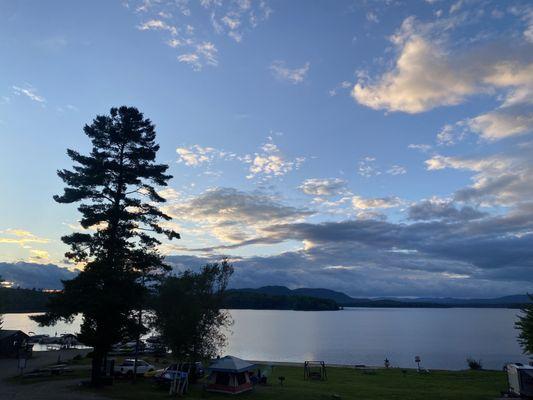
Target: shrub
[(474, 365)]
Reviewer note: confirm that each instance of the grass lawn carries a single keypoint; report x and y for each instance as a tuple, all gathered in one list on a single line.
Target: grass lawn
[(347, 383)]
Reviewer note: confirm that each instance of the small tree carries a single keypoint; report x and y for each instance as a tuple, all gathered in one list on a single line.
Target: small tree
[(115, 185), (474, 365), (525, 326), (188, 312)]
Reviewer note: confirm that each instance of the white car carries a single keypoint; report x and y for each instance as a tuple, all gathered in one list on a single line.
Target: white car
[(126, 368)]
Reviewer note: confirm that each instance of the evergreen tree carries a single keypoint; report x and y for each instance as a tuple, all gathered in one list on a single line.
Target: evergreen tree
[(525, 326), (116, 188), (188, 312)]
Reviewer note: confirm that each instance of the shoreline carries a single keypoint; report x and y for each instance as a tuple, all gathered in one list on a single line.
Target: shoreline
[(299, 364)]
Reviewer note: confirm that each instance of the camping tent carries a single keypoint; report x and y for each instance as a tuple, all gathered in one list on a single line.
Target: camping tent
[(230, 375)]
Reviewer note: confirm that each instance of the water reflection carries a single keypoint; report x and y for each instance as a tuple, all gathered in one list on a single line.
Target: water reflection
[(443, 338)]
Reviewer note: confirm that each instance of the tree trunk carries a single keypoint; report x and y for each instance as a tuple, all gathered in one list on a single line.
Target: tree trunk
[(96, 370)]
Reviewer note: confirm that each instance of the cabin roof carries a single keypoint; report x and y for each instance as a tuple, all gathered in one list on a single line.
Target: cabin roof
[(5, 333)]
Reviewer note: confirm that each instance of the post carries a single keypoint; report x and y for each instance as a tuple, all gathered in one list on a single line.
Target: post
[(138, 340), (137, 345)]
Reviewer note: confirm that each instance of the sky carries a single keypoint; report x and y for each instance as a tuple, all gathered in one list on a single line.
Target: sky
[(380, 148)]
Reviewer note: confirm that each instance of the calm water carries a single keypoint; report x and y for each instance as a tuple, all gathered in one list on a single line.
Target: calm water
[(443, 338)]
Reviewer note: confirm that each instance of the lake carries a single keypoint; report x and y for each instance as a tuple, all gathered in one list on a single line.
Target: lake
[(443, 338)]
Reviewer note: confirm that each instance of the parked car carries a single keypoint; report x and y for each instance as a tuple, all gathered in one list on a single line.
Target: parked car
[(127, 367), (165, 376)]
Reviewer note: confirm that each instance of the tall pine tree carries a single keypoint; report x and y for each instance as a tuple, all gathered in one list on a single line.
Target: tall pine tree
[(116, 188)]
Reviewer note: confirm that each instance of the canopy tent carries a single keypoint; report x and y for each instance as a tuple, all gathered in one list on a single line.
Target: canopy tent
[(230, 375)]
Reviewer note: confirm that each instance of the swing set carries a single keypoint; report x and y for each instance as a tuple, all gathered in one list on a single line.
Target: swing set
[(315, 371)]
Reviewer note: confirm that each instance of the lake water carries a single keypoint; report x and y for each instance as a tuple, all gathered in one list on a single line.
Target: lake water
[(443, 338)]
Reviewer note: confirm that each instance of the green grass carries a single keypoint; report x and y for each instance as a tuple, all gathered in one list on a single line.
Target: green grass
[(345, 382)]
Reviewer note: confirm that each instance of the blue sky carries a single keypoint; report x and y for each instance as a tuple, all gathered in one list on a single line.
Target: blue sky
[(375, 147)]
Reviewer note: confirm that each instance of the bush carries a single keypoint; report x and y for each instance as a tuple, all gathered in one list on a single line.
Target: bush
[(474, 365)]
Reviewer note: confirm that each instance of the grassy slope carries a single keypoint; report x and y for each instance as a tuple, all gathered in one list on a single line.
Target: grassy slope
[(348, 384)]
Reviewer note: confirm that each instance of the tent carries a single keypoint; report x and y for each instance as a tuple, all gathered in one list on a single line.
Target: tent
[(230, 375)]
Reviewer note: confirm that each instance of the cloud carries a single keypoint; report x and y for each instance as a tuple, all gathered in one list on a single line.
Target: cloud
[(158, 25), (231, 215), (344, 85), (421, 80), (428, 74), (39, 255), (489, 255), (438, 162), (501, 179), (196, 155), (294, 75), (372, 17), (424, 148), (323, 187), (195, 28), (367, 167), (451, 134), (270, 162), (267, 163), (362, 203), (20, 237), (204, 53), (439, 209), (30, 92), (504, 122), (397, 170)]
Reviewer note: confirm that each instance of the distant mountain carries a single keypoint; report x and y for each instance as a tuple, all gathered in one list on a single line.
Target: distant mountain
[(30, 275), (49, 276), (256, 300), (514, 299), (348, 301), (339, 297)]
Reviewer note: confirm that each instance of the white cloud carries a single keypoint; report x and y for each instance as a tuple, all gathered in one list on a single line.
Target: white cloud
[(196, 155), (204, 53), (270, 162), (231, 215), (438, 162), (344, 85), (422, 79), (397, 170), (424, 148), (367, 167), (158, 25), (197, 42), (503, 122), (372, 17), (29, 92), (323, 187), (20, 236), (362, 203), (294, 75), (428, 74)]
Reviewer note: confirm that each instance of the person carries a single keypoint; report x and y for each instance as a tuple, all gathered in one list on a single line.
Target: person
[(387, 363)]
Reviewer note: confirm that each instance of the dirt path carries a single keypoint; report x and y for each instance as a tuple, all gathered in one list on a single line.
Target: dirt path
[(61, 389)]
